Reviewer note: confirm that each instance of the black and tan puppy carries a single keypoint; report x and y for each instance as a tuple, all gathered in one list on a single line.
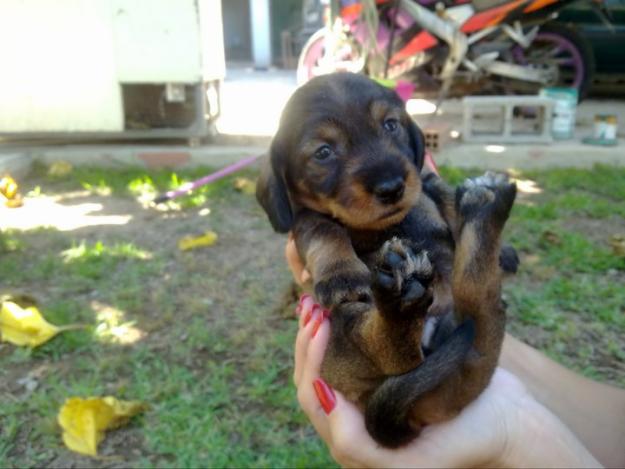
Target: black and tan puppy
[(409, 268)]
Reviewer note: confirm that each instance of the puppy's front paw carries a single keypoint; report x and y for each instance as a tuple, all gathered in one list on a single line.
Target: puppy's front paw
[(344, 283), (402, 277), (488, 196)]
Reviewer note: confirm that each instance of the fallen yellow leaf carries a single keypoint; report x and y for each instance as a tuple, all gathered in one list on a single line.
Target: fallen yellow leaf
[(26, 326), (60, 168), (84, 420), (190, 242), (15, 202), (8, 187), (245, 185), (617, 242)]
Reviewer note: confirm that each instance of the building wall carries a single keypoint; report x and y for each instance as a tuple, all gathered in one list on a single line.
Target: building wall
[(58, 67), (156, 40), (63, 62)]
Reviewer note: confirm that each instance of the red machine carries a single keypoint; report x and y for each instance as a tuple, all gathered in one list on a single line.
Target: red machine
[(456, 46)]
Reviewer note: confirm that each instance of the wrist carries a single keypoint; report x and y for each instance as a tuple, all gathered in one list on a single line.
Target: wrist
[(540, 439)]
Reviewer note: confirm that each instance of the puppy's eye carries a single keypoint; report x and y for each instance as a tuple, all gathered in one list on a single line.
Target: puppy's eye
[(390, 124), (323, 152)]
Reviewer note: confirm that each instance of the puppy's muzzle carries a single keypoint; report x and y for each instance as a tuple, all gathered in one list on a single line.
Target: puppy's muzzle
[(389, 191)]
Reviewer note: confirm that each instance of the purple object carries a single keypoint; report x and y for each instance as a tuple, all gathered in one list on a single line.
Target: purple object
[(206, 179), (405, 89), (564, 53)]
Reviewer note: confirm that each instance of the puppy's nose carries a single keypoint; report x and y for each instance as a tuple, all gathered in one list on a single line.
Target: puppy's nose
[(389, 191)]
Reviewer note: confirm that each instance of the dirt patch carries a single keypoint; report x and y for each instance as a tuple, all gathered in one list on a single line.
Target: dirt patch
[(599, 230)]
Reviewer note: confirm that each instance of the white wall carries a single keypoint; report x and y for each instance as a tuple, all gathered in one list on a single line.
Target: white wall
[(62, 61), (156, 41), (212, 40), (57, 69)]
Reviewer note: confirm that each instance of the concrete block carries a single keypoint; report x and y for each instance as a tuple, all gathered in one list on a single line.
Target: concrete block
[(504, 126)]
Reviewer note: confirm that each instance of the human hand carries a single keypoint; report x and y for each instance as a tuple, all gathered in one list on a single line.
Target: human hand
[(504, 426), (300, 274)]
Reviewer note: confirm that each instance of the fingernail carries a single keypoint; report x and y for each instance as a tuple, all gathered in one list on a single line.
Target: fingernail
[(303, 297), (318, 321), (310, 314), (326, 396)]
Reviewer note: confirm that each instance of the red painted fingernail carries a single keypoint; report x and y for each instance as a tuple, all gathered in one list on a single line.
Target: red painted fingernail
[(310, 314), (326, 313), (303, 297), (320, 318), (326, 396)]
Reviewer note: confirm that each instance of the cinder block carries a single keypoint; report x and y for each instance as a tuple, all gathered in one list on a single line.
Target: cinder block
[(505, 126)]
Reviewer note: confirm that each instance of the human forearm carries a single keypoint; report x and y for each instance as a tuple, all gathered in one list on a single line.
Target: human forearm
[(594, 412), (542, 440)]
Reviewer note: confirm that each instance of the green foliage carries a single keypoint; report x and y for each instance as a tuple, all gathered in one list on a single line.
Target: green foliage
[(139, 183)]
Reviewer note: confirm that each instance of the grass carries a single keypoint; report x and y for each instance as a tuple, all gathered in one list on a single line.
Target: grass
[(213, 355), (134, 182)]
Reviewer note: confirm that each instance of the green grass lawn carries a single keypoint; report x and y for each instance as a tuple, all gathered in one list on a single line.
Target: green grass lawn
[(205, 337)]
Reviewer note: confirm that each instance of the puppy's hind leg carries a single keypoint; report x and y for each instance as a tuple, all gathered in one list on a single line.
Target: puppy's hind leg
[(483, 204)]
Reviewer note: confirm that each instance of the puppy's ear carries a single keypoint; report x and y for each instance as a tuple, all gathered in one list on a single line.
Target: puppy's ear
[(272, 195), (417, 144)]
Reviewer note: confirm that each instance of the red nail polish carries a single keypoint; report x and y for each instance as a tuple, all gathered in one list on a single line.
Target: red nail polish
[(326, 396), (303, 297), (326, 313), (311, 313), (320, 318)]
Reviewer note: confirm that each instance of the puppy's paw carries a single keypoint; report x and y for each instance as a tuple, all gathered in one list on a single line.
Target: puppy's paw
[(402, 277), (344, 283), (509, 259), (488, 197)]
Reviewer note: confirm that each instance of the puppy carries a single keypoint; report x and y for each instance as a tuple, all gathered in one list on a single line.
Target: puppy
[(410, 269)]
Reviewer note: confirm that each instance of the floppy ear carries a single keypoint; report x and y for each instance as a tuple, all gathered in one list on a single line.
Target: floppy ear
[(417, 144), (272, 195)]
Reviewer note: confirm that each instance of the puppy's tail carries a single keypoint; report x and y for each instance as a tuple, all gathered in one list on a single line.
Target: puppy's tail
[(387, 411)]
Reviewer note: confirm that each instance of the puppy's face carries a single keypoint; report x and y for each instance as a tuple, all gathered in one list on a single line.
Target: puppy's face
[(345, 148)]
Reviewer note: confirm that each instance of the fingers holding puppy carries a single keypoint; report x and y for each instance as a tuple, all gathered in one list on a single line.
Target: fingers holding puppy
[(337, 421), (295, 263), (310, 345)]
